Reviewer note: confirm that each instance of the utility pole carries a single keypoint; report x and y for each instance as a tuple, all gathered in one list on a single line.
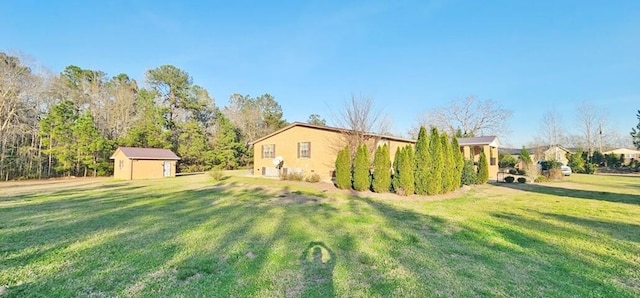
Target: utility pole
[(600, 137)]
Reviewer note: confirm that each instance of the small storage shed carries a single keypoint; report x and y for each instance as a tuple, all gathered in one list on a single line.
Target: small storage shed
[(132, 163)]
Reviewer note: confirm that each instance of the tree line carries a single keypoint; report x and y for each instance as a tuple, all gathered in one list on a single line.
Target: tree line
[(69, 124), (435, 165)]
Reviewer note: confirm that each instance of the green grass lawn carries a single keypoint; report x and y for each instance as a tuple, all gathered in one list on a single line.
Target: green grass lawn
[(189, 236)]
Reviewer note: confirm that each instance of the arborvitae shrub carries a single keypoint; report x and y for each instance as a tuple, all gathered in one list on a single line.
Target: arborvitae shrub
[(395, 178), (483, 169), (343, 169), (421, 163), (434, 183), (407, 180), (458, 161), (361, 179), (381, 166), (404, 171), (509, 179), (448, 171), (469, 175)]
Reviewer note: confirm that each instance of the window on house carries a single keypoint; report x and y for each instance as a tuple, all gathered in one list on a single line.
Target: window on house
[(121, 164), (304, 149), (269, 151)]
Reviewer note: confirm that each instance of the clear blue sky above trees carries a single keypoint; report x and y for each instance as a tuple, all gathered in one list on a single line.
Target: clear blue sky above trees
[(410, 56)]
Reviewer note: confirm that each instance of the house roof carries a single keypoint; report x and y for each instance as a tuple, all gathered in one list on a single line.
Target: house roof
[(622, 151), (548, 147), (486, 140), (146, 153), (512, 151), (328, 128)]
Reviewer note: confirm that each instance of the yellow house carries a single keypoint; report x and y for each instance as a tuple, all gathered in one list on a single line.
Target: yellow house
[(472, 147), (143, 163), (627, 154), (312, 149), (552, 152)]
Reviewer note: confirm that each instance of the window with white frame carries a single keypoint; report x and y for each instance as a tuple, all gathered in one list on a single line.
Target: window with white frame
[(269, 151), (121, 164), (304, 149)]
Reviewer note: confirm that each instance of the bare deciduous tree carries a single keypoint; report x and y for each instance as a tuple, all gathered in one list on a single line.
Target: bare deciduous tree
[(469, 117), (589, 123), (551, 129), (359, 118)]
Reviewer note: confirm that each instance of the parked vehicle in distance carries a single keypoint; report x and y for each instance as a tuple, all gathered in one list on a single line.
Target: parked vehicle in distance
[(566, 170), (546, 165)]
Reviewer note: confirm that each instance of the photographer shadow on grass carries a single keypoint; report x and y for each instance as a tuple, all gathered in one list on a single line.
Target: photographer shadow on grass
[(317, 262)]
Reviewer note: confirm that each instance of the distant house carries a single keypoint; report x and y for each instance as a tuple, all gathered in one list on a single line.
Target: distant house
[(143, 163), (308, 149), (627, 154), (552, 152), (472, 147)]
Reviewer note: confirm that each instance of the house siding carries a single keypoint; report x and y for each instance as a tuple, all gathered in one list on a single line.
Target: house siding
[(472, 152), (324, 146)]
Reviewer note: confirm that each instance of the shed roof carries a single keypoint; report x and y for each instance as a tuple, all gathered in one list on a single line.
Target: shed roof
[(146, 153)]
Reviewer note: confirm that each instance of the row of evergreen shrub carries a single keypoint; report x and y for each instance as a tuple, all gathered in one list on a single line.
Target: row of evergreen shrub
[(434, 166)]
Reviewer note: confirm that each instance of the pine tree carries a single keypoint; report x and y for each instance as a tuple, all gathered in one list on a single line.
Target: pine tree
[(421, 163), (194, 150), (229, 150), (148, 129), (92, 150), (57, 137), (635, 133), (343, 169), (434, 185), (458, 161), (483, 169), (381, 166), (361, 176), (525, 156), (449, 164)]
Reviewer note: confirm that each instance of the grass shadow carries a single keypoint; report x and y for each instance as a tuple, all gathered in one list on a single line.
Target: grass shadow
[(575, 193)]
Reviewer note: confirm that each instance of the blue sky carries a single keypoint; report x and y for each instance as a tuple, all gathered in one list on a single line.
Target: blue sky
[(410, 56)]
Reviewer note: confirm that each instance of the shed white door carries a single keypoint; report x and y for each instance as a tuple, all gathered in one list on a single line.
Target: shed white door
[(167, 168)]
